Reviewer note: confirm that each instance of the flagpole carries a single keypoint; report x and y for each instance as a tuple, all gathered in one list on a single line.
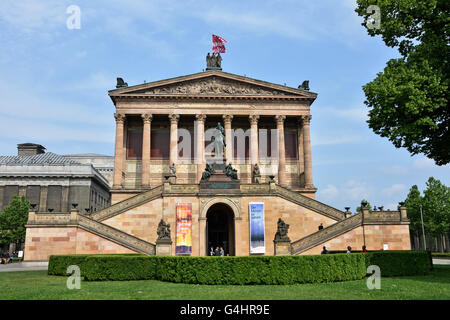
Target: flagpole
[(423, 229)]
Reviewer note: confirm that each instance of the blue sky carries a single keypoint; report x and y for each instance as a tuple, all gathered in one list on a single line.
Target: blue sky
[(54, 81)]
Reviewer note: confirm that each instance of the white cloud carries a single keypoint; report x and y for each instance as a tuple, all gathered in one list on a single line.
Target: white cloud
[(424, 163), (29, 15), (349, 192), (394, 190), (329, 193), (44, 132), (338, 138), (22, 102), (356, 114), (394, 171), (357, 190)]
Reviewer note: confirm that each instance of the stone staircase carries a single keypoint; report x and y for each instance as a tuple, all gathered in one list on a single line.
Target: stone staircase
[(309, 203), (127, 204), (326, 234), (115, 235)]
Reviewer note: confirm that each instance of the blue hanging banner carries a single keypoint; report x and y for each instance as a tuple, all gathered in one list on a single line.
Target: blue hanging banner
[(257, 239)]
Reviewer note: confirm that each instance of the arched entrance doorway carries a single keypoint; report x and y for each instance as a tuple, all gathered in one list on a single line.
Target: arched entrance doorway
[(220, 228)]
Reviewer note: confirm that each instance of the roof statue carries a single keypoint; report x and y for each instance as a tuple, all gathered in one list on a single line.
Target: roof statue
[(304, 85), (121, 83), (214, 61)]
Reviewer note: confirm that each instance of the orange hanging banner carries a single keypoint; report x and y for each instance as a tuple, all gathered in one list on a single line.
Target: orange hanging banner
[(184, 229)]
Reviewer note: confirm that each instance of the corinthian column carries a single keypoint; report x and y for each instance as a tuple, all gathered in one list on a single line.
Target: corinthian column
[(301, 157), (307, 151), (227, 118), (146, 143), (119, 153), (200, 152), (281, 150), (173, 137), (254, 158)]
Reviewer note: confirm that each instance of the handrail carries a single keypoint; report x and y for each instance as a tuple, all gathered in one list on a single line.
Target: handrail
[(127, 204), (325, 234)]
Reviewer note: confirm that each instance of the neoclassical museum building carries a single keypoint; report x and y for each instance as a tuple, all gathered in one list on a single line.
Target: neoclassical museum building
[(176, 192)]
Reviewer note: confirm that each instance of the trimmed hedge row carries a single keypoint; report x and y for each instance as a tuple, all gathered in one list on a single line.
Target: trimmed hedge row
[(401, 263), (58, 264), (243, 270)]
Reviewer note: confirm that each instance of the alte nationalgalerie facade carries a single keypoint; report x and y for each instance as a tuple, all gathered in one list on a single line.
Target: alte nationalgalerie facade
[(266, 125)]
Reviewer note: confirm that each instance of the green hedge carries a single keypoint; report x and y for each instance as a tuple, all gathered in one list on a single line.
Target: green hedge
[(244, 270), (58, 264), (261, 270), (401, 263)]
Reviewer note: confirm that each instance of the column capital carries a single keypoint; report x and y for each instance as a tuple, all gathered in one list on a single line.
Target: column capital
[(253, 118), (227, 118), (120, 117), (147, 117), (200, 117), (280, 119), (174, 118), (305, 120)]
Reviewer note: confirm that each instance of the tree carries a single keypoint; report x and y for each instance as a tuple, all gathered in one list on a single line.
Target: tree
[(413, 202), (436, 207), (435, 204), (358, 209), (409, 100), (13, 219)]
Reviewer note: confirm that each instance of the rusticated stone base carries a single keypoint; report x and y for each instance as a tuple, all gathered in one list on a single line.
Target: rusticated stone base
[(282, 248), (163, 248)]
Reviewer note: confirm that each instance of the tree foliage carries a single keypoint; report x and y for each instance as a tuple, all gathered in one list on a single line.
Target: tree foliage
[(358, 208), (409, 100), (13, 219), (435, 204)]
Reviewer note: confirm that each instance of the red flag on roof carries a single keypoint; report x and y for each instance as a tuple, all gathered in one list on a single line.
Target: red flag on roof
[(218, 44)]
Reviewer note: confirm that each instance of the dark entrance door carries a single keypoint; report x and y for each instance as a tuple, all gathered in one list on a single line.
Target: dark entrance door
[(220, 228)]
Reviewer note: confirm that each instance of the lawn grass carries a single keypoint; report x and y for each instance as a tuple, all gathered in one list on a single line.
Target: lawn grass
[(38, 285)]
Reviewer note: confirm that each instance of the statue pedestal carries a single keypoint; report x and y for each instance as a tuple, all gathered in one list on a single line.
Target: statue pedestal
[(282, 247), (163, 247), (171, 178), (257, 179)]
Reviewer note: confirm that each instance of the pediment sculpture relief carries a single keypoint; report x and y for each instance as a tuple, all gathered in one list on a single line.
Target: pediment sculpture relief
[(213, 86)]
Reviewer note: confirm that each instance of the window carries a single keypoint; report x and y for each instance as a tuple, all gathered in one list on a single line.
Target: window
[(290, 144), (160, 144), (134, 143)]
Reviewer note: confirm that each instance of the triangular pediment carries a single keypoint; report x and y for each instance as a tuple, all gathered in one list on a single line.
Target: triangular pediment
[(211, 83)]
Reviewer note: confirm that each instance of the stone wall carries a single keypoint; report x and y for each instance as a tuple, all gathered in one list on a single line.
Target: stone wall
[(41, 242), (396, 236)]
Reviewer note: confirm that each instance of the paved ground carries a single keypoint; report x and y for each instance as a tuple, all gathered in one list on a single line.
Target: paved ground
[(441, 261), (23, 266)]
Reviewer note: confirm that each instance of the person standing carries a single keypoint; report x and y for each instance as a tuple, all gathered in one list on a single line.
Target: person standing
[(217, 252), (324, 251), (222, 252), (349, 249), (211, 251)]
